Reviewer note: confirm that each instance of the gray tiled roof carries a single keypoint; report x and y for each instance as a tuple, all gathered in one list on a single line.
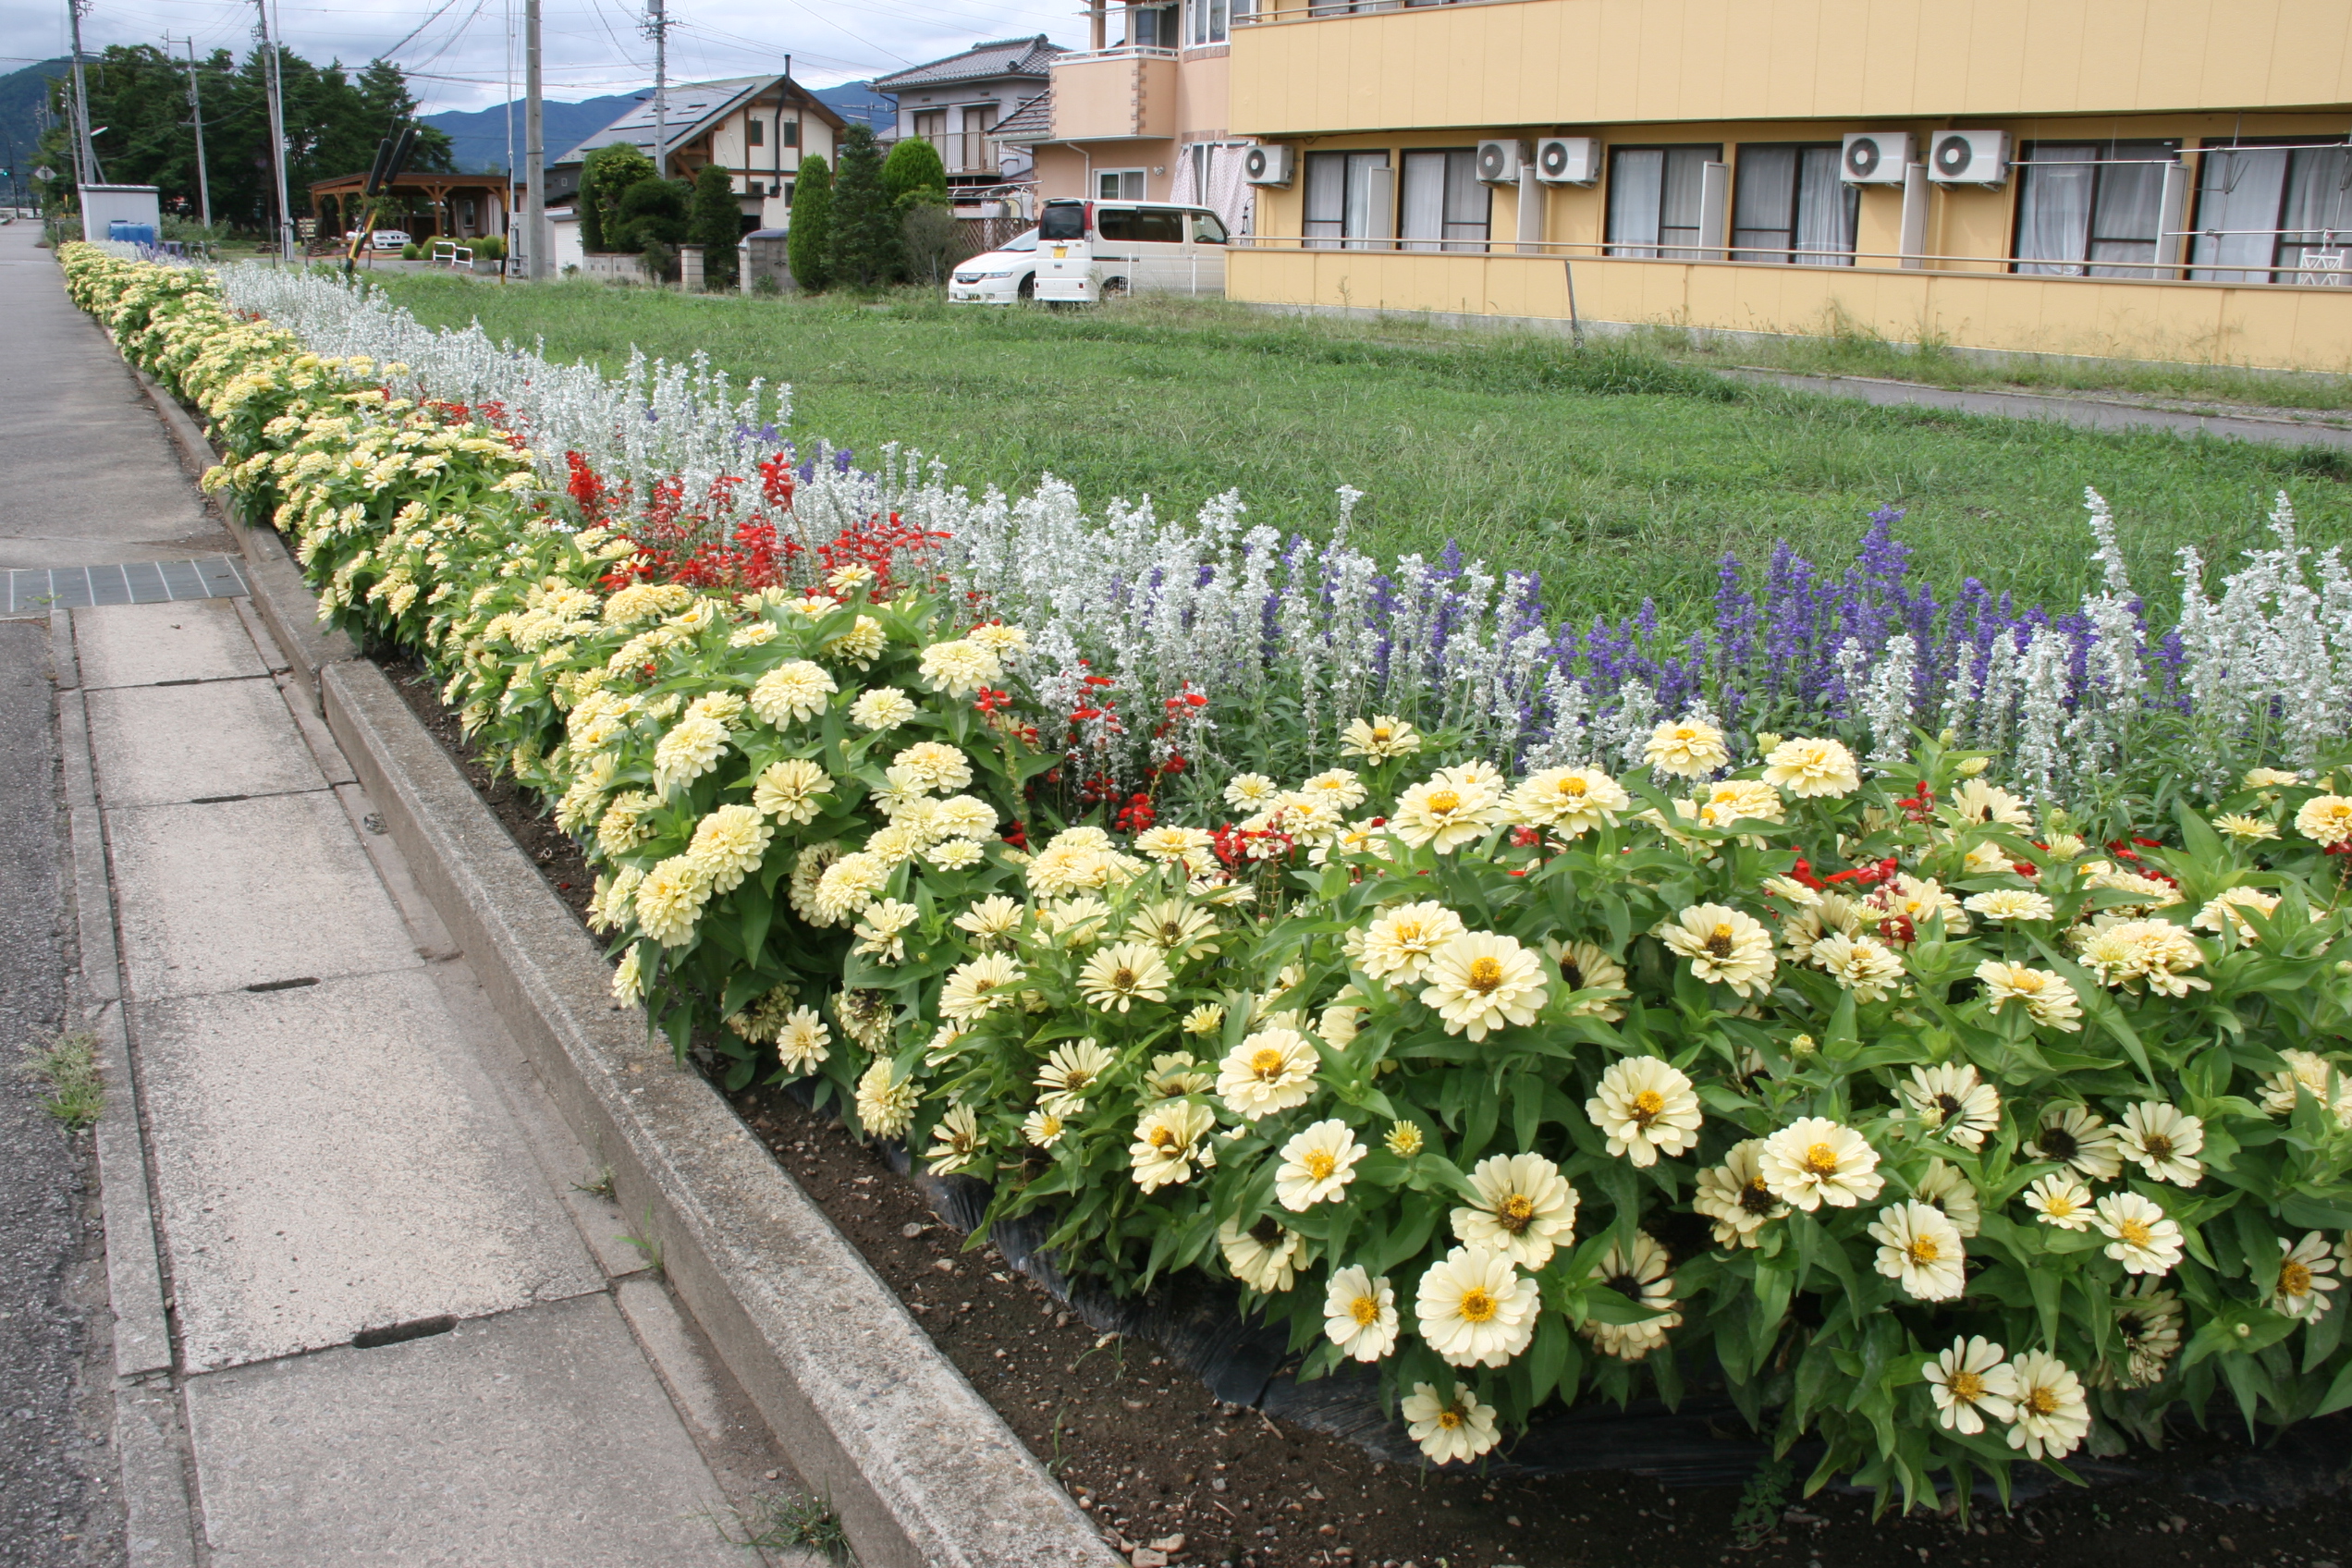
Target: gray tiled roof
[(995, 57), (1033, 121), (693, 108)]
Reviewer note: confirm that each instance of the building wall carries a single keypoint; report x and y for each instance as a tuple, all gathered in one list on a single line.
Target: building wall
[(1734, 72), (1565, 62), (1969, 227), (729, 145), (1066, 170), (955, 98)]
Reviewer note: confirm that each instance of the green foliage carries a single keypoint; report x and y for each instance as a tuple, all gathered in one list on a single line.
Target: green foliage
[(863, 247), (488, 248), (606, 177), (809, 242), (334, 119), (1618, 475), (932, 240), (714, 221), (913, 173), (1905, 986), (69, 1066), (652, 212), (793, 1522)]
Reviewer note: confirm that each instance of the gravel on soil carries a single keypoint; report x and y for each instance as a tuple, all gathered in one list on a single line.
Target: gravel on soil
[(1154, 1458), (56, 1502)]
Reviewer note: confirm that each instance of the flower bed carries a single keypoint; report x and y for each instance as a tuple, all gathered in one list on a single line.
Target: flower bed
[(1939, 1120)]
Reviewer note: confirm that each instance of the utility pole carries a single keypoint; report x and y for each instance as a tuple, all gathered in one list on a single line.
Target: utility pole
[(86, 171), (657, 24), (196, 117), (278, 130), (534, 152)]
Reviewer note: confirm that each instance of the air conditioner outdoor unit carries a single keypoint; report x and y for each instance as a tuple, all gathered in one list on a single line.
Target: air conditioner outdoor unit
[(1568, 160), (1876, 157), (1499, 162), (1970, 158), (1267, 164)]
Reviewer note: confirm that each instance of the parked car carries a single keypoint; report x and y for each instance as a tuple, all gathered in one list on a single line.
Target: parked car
[(391, 239), (1088, 250), (999, 277)]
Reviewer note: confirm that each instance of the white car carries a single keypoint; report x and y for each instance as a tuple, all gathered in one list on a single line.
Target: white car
[(1089, 251), (390, 239), (999, 276)]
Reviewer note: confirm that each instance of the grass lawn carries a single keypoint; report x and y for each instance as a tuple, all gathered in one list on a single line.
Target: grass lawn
[(1617, 474)]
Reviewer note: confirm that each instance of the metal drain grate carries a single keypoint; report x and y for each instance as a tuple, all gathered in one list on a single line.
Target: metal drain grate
[(33, 590)]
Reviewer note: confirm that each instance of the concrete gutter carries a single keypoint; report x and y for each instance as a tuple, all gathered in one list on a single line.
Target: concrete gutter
[(2081, 409), (922, 1471)]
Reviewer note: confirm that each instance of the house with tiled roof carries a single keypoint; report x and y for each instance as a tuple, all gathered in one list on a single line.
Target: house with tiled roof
[(958, 103), (757, 127)]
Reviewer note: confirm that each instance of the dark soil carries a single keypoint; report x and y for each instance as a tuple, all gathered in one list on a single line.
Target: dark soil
[(1152, 1456)]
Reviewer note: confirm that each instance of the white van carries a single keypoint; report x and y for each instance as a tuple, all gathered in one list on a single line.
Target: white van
[(1087, 250)]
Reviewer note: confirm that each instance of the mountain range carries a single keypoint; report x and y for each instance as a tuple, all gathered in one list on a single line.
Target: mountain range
[(477, 136)]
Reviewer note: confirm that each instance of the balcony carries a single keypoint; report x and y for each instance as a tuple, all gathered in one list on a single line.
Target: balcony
[(1114, 94)]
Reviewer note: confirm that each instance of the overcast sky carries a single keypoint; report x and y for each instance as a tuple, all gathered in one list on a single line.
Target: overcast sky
[(460, 59)]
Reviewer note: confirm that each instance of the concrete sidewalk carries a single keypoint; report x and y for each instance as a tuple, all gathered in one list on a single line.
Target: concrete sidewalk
[(92, 476), (365, 1312), (366, 1306)]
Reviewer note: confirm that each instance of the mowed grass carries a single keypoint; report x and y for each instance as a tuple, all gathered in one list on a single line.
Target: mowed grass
[(1616, 472)]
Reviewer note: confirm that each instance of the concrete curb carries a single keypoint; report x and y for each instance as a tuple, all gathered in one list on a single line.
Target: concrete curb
[(920, 1469)]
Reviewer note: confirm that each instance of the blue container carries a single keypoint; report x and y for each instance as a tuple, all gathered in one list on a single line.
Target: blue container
[(129, 233)]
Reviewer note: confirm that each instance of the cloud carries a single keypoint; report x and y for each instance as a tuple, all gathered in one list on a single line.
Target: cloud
[(458, 58)]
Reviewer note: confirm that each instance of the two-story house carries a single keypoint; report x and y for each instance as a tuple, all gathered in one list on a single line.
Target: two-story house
[(757, 127), (2154, 178), (957, 104), (1140, 115)]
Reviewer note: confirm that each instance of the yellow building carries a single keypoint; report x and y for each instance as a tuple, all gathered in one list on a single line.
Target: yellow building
[(2157, 178)]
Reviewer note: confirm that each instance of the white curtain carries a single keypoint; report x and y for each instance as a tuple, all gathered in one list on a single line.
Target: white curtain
[(2318, 209), (1637, 192), (1421, 205), (2237, 207), (1825, 210), (1185, 188), (1230, 195), (2053, 214)]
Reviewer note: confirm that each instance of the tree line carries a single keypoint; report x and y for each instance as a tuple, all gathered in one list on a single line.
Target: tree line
[(877, 222), (139, 94)]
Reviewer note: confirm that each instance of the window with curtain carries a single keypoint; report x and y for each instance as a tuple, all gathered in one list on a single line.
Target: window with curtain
[(1118, 185), (1654, 199), (2082, 203), (1210, 18), (1442, 206), (1788, 204), (2262, 211), (1338, 197)]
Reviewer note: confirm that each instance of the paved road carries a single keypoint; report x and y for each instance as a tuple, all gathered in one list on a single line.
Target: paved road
[(55, 1502), (56, 1493)]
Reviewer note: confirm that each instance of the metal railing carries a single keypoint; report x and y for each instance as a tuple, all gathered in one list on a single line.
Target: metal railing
[(1121, 52), (2328, 272)]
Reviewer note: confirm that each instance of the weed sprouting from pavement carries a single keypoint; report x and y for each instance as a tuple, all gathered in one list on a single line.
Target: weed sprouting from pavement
[(68, 1065), (787, 1520)]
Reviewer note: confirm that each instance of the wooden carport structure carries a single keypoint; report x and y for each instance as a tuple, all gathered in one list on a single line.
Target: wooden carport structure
[(429, 207)]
